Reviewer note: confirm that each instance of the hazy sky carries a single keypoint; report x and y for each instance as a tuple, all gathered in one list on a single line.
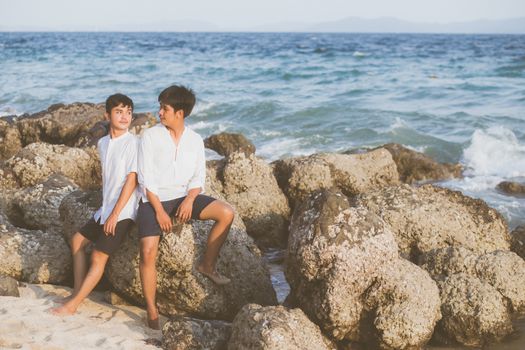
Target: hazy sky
[(58, 14)]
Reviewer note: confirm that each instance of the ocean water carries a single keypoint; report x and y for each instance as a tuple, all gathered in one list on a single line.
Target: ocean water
[(457, 98)]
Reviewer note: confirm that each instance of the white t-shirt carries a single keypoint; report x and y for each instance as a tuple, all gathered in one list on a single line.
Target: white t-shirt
[(118, 157), (168, 170)]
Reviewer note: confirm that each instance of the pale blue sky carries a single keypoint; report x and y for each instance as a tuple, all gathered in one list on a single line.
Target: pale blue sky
[(63, 14)]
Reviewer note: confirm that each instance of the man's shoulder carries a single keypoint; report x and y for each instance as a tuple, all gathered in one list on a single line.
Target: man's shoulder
[(103, 140), (154, 130), (193, 134)]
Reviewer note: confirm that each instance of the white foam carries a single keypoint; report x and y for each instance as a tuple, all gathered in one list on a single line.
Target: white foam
[(359, 54), (399, 123), (494, 153), (202, 106)]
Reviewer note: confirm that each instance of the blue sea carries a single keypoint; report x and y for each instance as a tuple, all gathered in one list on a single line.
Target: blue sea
[(457, 98)]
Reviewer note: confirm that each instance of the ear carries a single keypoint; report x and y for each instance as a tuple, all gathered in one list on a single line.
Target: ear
[(106, 115), (180, 114)]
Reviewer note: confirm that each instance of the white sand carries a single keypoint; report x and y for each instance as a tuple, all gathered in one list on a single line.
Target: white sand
[(25, 323)]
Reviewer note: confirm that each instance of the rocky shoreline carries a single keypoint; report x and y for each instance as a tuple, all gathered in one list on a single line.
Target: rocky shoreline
[(376, 255)]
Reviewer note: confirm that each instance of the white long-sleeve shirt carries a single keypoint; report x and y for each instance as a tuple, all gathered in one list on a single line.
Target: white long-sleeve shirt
[(118, 157), (168, 170)]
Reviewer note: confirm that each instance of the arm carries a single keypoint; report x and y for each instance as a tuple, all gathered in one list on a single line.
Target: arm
[(162, 217), (125, 193), (195, 186)]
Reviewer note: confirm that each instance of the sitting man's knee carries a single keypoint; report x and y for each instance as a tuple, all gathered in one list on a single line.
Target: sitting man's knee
[(148, 254), (228, 213)]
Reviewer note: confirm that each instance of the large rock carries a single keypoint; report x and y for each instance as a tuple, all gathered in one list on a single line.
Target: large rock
[(228, 143), (8, 286), (490, 286), (518, 241), (180, 289), (37, 207), (512, 188), (59, 124), (186, 333), (430, 217), (417, 167), (10, 139), (250, 186), (33, 256), (474, 312), (8, 179), (37, 161), (140, 122), (345, 273), (503, 270), (275, 327), (351, 174), (76, 209)]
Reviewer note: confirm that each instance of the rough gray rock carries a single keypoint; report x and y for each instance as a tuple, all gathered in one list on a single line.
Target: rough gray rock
[(185, 333), (345, 273), (33, 256), (417, 167), (59, 124), (10, 139), (8, 286), (275, 327), (37, 161), (512, 188), (76, 209), (8, 179), (183, 291), (228, 143), (429, 217), (250, 186), (37, 207), (518, 241), (474, 312), (351, 174), (498, 272)]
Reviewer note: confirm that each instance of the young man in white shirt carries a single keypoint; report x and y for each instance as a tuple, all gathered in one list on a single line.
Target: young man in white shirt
[(110, 224), (172, 172)]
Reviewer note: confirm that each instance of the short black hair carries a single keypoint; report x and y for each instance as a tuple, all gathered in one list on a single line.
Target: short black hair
[(178, 97), (117, 100)]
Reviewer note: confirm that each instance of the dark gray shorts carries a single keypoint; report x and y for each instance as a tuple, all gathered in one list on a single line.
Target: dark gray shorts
[(147, 219), (93, 231)]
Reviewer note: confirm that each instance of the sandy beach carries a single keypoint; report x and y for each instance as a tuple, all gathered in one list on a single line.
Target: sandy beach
[(27, 324)]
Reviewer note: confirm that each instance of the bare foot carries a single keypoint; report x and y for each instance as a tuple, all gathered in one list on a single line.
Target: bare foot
[(214, 276), (152, 318), (63, 310)]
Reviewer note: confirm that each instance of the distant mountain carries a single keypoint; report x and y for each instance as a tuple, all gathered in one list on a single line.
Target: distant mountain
[(393, 25), (346, 25)]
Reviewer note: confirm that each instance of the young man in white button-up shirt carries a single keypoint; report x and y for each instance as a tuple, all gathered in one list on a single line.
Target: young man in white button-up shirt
[(110, 224), (172, 172)]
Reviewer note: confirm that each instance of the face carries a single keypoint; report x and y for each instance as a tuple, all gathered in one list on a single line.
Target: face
[(120, 117), (168, 116)]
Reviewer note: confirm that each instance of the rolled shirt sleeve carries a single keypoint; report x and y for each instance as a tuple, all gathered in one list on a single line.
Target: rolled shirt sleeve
[(146, 166), (199, 177)]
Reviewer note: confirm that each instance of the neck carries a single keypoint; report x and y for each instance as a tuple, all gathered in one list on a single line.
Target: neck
[(177, 129), (113, 133)]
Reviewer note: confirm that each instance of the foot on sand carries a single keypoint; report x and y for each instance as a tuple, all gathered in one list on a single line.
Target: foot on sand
[(214, 276), (62, 311)]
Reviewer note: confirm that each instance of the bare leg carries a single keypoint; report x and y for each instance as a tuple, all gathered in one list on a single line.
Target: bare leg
[(78, 244), (148, 276), (222, 213), (96, 270)]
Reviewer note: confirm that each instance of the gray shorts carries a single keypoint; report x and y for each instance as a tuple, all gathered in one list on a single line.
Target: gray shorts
[(94, 231), (147, 219)]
